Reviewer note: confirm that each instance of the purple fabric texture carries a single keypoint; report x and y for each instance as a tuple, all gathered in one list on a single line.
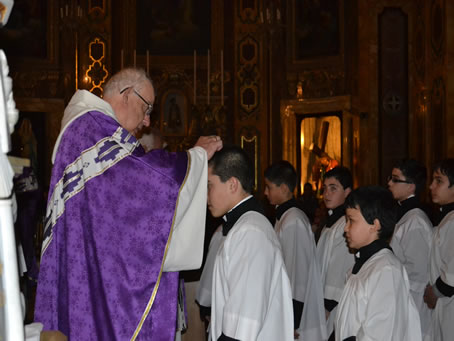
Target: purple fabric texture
[(106, 248)]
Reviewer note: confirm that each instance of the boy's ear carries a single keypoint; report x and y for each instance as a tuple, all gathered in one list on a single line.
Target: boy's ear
[(347, 191), (284, 188), (233, 184), (376, 225)]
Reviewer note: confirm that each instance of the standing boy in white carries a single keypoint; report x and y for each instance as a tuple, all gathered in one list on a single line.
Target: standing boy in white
[(333, 254), (439, 293), (376, 303), (413, 233), (298, 246), (251, 296)]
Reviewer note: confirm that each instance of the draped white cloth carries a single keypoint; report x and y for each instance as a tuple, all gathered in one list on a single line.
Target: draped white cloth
[(376, 303), (298, 248), (252, 298), (411, 244), (442, 265)]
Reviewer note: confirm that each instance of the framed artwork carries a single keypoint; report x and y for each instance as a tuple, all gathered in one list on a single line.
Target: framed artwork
[(316, 31), (30, 39), (173, 27), (174, 109), (25, 34)]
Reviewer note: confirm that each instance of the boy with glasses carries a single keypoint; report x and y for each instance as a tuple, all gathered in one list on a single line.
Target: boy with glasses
[(413, 232), (439, 294)]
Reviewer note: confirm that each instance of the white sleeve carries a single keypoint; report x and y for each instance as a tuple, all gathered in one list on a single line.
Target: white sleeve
[(415, 243), (390, 311), (298, 249), (203, 295), (186, 244)]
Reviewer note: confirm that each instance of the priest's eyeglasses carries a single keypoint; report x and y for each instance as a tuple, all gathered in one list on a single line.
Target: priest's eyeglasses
[(397, 180), (149, 105)]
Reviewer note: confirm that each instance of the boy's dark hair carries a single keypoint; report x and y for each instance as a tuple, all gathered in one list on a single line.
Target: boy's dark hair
[(375, 202), (232, 161), (415, 172), (282, 172), (341, 174), (446, 167)]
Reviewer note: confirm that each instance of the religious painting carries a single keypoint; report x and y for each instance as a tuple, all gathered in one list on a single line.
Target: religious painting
[(173, 27), (316, 30), (320, 148), (174, 108), (25, 34)]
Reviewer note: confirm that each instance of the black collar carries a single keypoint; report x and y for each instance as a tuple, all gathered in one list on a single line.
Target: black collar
[(407, 205), (368, 251), (231, 217), (338, 212), (281, 209), (444, 210)]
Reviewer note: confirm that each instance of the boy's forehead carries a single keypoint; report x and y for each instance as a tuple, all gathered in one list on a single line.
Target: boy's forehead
[(438, 173), (332, 181), (353, 210), (270, 182), (211, 173)]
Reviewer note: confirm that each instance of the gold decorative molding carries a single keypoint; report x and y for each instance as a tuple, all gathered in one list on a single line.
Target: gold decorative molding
[(251, 144)]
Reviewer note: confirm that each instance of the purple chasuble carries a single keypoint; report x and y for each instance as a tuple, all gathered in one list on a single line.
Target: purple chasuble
[(108, 224)]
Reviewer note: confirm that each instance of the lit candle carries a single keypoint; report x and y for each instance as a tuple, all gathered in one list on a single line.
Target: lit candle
[(134, 57), (208, 78), (121, 58), (195, 76), (222, 77), (148, 62)]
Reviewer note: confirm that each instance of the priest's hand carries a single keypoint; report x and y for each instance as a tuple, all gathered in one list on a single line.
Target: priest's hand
[(430, 298), (296, 335), (211, 144)]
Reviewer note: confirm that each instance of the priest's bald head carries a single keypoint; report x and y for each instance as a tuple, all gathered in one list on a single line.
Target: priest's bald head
[(131, 94)]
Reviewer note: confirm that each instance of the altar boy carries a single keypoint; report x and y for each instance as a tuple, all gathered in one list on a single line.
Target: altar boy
[(439, 293), (376, 303), (298, 247), (251, 294)]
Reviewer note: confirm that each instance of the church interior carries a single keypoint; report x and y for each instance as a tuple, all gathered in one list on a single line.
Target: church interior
[(366, 82), (363, 83)]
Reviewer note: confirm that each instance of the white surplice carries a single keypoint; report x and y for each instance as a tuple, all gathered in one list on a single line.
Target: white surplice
[(335, 261), (298, 248), (376, 303), (411, 244), (442, 265), (203, 295), (252, 298)]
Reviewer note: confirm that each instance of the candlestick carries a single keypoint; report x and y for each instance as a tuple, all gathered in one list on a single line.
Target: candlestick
[(148, 62), (195, 76), (208, 78), (134, 57), (61, 12), (121, 59), (222, 77)]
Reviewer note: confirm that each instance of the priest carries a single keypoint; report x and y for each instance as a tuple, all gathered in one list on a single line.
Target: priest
[(120, 223)]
